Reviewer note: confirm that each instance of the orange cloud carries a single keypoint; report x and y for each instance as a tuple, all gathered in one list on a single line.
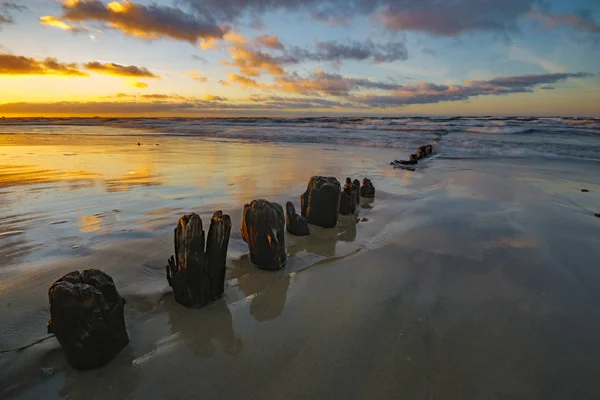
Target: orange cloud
[(197, 76), (269, 41), (120, 70), (19, 65), (252, 62)]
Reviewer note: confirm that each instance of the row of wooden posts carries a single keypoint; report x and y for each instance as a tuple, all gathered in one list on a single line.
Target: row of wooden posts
[(87, 311)]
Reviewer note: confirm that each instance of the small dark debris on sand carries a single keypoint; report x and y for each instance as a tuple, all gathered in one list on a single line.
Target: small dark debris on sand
[(585, 190), (139, 144), (597, 215)]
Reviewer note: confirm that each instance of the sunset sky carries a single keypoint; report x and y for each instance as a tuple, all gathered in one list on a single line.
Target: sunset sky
[(296, 57)]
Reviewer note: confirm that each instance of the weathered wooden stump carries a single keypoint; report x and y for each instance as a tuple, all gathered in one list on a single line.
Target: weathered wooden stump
[(429, 149), (348, 199), (86, 316), (367, 189), (357, 190), (263, 229), (413, 159), (295, 223), (321, 201), (422, 153), (197, 273)]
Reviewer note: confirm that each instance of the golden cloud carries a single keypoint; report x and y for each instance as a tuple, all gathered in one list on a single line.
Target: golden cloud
[(19, 65), (120, 70), (49, 20), (139, 85)]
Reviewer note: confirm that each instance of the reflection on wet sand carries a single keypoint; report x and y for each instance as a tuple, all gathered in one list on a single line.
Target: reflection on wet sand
[(323, 242), (265, 290), (199, 329), (140, 177)]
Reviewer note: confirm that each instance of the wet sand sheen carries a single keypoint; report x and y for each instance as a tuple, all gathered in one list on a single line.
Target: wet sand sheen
[(459, 285)]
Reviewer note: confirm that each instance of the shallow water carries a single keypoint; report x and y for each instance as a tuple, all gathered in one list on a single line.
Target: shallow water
[(471, 278)]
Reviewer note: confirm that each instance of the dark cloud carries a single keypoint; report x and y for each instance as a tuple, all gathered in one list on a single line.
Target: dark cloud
[(198, 58), (582, 21), (332, 50), (323, 83), (148, 22), (533, 80), (438, 17), (120, 70), (19, 65), (427, 93), (251, 60), (5, 11)]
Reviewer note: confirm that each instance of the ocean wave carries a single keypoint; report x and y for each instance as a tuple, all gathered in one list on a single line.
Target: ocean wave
[(456, 137)]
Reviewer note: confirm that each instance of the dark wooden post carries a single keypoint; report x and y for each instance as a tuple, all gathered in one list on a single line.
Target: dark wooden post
[(262, 229), (87, 318), (294, 223), (348, 199), (321, 201), (196, 274), (367, 189), (357, 190)]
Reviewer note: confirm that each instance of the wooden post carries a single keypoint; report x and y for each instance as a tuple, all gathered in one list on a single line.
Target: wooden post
[(348, 199), (262, 229), (295, 224), (87, 318), (196, 274), (321, 201), (357, 190), (367, 189)]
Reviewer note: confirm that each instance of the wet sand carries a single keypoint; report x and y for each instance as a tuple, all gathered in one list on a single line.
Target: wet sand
[(470, 279)]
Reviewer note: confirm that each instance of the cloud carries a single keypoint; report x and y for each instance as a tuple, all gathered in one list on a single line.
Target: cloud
[(243, 81), (323, 83), (436, 17), (428, 93), (198, 58), (120, 70), (210, 97), (139, 85), (331, 50), (269, 41), (582, 22), (5, 8), (253, 62), (147, 22), (197, 76), (523, 81), (299, 102), (19, 65), (49, 20), (398, 96)]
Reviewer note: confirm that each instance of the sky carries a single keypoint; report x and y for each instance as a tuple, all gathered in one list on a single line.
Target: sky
[(299, 57)]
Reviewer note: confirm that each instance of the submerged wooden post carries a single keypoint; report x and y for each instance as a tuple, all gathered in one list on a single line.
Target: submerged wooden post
[(348, 198), (87, 318), (295, 224), (367, 189), (262, 229), (321, 201), (197, 273)]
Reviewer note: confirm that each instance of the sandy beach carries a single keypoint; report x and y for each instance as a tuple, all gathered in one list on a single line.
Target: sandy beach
[(467, 279)]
